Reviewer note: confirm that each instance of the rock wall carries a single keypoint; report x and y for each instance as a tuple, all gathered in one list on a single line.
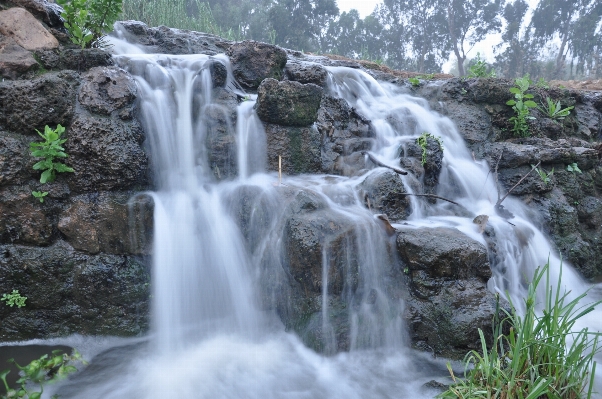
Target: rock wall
[(80, 257)]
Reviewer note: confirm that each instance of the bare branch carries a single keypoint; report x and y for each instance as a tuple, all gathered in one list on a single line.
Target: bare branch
[(519, 182), (379, 163)]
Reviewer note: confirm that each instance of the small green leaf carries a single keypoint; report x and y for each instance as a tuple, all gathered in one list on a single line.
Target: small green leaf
[(514, 90), (510, 102), (530, 104)]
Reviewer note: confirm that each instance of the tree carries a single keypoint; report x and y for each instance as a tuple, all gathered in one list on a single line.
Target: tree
[(517, 56), (468, 22), (573, 22)]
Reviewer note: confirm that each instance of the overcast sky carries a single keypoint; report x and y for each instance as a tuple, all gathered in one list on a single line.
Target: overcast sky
[(365, 7)]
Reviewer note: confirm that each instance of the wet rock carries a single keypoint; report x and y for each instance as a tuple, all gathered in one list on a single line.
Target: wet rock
[(76, 59), (252, 62), (219, 120), (107, 223), (47, 12), (15, 164), (22, 218), (382, 192), (345, 134), (305, 72), (14, 59), (105, 90), (431, 166), (288, 103), (69, 292), (106, 155), (219, 73), (26, 30), (448, 275), (26, 105), (299, 148), (164, 40)]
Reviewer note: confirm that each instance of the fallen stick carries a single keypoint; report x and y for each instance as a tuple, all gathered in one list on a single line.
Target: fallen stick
[(379, 163), (432, 196), (499, 201)]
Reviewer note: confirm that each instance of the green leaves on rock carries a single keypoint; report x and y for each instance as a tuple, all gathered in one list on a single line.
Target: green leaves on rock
[(88, 20), (50, 149), (521, 105)]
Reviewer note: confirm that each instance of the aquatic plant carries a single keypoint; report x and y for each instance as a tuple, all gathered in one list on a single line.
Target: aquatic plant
[(541, 355)]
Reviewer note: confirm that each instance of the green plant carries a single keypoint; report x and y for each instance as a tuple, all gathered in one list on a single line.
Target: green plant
[(545, 177), (422, 141), (554, 110), (541, 356), (89, 20), (573, 168), (479, 69), (521, 105), (428, 76), (542, 84), (414, 81), (50, 149), (46, 369), (39, 195), (14, 298)]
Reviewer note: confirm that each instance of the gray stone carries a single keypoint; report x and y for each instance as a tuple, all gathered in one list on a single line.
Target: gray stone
[(252, 62), (14, 59), (288, 103), (382, 193), (23, 219), (299, 148), (305, 72), (105, 90)]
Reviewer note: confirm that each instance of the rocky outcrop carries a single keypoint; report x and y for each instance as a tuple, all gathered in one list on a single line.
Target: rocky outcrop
[(14, 59), (448, 274), (288, 103), (26, 30), (252, 62)]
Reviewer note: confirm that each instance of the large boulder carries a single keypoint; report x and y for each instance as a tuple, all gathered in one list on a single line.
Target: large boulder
[(105, 90), (27, 105), (449, 302), (288, 103), (252, 62), (106, 154), (26, 30), (306, 72), (382, 191), (46, 11), (74, 58)]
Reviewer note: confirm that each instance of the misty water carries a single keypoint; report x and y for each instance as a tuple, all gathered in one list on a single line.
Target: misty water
[(213, 334)]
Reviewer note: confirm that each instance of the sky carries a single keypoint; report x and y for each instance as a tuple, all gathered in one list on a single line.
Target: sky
[(365, 7)]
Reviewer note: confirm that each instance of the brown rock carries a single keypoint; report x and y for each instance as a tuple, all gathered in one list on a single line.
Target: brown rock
[(48, 12), (27, 31), (14, 59), (22, 220)]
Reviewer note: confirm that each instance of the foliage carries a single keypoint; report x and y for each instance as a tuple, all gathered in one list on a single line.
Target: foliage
[(541, 356), (89, 20), (422, 141), (46, 369), (39, 195), (555, 110), (414, 81), (50, 149), (542, 84), (573, 168), (521, 105), (545, 176), (479, 69), (14, 298)]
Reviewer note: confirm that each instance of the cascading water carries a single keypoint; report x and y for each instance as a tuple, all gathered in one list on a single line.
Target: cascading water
[(211, 336)]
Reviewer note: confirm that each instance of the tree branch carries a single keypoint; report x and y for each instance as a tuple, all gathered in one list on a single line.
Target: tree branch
[(379, 163), (519, 182), (431, 196)]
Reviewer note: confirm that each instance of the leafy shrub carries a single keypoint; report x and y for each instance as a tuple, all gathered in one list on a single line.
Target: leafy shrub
[(521, 105), (14, 298), (573, 168), (554, 110), (534, 360), (479, 69), (89, 20), (50, 149), (414, 81), (46, 369)]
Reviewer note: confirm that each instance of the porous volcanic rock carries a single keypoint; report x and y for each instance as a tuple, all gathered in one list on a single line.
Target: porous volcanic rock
[(105, 90), (288, 103), (252, 62), (299, 148)]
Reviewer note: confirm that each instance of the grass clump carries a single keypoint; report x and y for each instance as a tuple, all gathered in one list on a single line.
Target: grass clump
[(542, 356)]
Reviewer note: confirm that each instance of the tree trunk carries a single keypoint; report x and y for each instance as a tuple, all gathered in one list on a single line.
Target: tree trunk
[(454, 39)]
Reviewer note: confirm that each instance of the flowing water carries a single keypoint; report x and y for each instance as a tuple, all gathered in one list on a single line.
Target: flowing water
[(214, 332)]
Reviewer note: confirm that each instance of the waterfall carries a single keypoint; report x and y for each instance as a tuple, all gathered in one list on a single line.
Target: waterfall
[(215, 334)]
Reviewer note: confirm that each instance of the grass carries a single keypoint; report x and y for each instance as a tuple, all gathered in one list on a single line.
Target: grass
[(181, 14), (541, 356)]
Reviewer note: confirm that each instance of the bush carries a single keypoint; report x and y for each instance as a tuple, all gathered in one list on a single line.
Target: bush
[(89, 20), (540, 356), (521, 105)]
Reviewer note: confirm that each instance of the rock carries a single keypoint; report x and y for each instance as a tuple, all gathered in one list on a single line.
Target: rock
[(27, 105), (15, 163), (219, 118), (219, 73), (106, 155), (26, 30), (252, 62), (288, 103), (105, 90), (299, 148), (76, 59), (47, 12), (432, 164), (345, 134), (164, 40), (14, 59), (103, 223), (22, 218), (381, 193), (305, 72), (69, 292), (448, 275)]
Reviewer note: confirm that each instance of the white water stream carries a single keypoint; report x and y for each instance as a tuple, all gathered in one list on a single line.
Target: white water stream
[(210, 336)]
